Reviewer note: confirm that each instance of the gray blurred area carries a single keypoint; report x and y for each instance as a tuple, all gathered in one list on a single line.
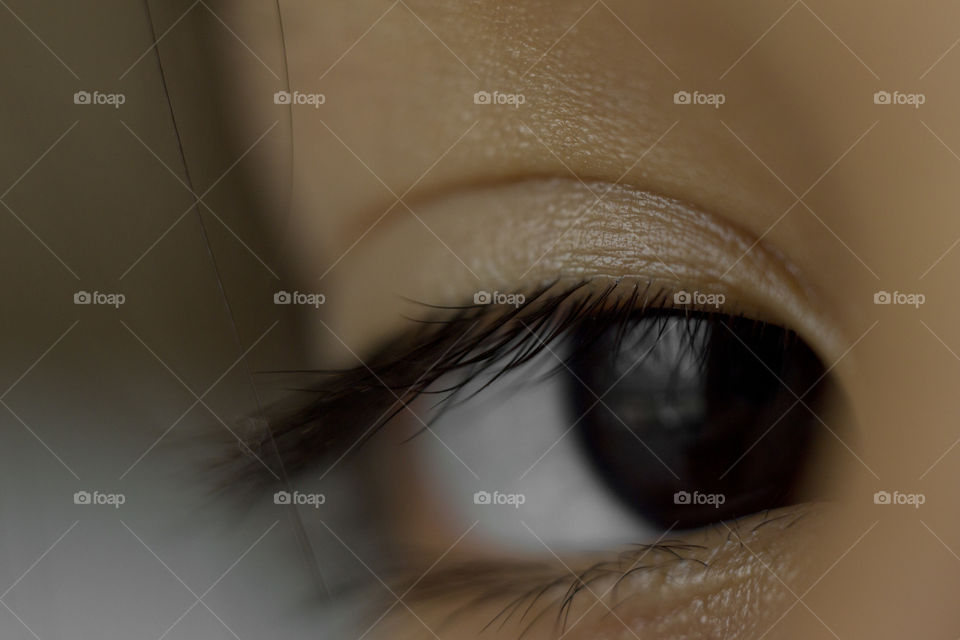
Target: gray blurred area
[(132, 400)]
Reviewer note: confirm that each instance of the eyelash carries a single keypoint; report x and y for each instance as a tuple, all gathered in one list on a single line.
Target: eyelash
[(471, 341), (531, 590)]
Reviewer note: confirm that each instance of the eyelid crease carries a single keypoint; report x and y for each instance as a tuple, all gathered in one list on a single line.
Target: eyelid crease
[(517, 236), (465, 340)]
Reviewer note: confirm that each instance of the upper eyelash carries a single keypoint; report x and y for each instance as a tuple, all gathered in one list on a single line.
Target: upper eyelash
[(470, 341)]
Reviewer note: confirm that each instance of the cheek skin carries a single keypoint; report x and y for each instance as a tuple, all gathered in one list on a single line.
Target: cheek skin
[(732, 580)]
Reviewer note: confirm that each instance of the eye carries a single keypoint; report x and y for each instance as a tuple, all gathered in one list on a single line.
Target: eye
[(692, 418), (629, 424)]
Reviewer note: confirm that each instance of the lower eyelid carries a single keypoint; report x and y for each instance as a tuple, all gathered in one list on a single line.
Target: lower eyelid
[(721, 576)]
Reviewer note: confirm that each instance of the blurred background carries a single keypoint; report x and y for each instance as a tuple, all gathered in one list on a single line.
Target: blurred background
[(117, 182)]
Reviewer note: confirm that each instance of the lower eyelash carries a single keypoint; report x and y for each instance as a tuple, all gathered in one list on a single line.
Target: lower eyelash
[(536, 592)]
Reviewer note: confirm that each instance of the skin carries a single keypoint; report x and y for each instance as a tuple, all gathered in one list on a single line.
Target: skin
[(498, 191)]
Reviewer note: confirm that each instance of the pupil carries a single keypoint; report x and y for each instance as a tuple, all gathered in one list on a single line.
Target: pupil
[(694, 426)]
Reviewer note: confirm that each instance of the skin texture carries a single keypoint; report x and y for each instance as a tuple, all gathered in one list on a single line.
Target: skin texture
[(830, 196), (714, 584), (499, 232)]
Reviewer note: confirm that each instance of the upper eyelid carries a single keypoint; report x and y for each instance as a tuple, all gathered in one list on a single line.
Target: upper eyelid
[(519, 234)]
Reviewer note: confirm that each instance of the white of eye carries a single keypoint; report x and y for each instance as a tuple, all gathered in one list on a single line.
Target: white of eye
[(518, 436)]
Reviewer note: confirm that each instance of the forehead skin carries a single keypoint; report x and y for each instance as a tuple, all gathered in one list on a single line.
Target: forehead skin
[(852, 196)]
